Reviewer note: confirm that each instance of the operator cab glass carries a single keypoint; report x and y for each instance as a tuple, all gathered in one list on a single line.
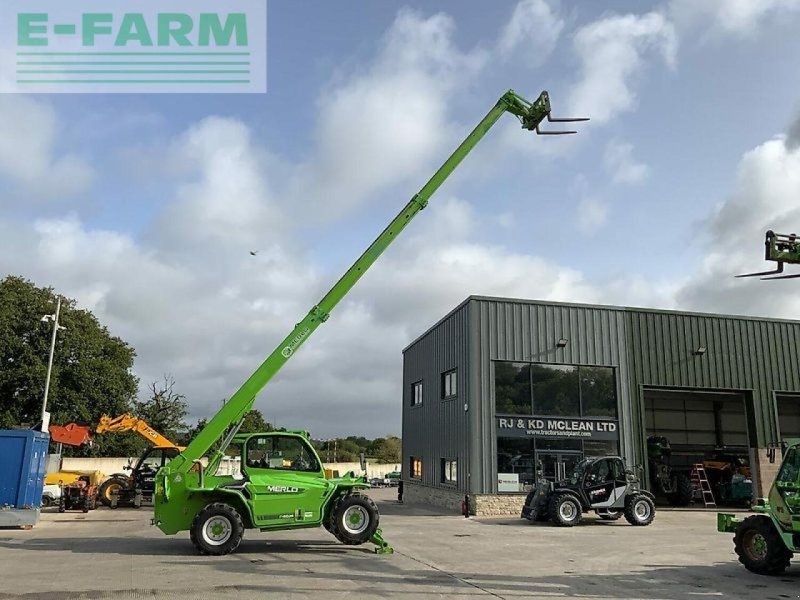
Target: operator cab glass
[(280, 453), (788, 481)]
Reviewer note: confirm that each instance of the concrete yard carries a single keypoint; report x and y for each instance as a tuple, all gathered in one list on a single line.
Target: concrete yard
[(116, 554)]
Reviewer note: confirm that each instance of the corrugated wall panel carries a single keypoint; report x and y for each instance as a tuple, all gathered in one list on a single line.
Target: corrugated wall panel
[(596, 336), (438, 428), (741, 354), (648, 348)]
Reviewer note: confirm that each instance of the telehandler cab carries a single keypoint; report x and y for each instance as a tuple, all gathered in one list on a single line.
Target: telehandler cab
[(284, 485)]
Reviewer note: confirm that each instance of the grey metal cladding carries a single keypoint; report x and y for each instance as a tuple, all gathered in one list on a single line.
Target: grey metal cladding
[(438, 428), (741, 353), (648, 348), (523, 330)]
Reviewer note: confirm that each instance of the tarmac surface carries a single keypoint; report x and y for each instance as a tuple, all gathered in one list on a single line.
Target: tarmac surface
[(116, 554)]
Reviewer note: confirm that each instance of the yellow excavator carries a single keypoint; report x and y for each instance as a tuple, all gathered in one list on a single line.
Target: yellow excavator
[(136, 487)]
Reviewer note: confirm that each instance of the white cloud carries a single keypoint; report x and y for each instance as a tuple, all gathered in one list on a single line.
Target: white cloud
[(612, 53), (592, 214), (736, 17), (765, 197), (619, 161), (28, 157), (392, 117), (531, 33)]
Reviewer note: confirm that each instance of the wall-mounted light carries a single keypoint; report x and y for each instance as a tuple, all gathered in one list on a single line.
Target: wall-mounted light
[(562, 343), (700, 351)]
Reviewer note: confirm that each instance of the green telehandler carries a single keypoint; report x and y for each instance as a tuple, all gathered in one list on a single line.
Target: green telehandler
[(766, 541), (284, 484)]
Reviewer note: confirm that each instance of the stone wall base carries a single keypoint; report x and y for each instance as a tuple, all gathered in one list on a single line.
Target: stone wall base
[(481, 505), (450, 500), (764, 472)]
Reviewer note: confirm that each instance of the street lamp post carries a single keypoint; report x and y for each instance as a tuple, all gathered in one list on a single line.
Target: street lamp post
[(56, 327)]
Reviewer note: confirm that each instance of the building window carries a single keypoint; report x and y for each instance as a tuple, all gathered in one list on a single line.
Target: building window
[(415, 465), (512, 388), (449, 471), (449, 389), (416, 393), (555, 390), (527, 389)]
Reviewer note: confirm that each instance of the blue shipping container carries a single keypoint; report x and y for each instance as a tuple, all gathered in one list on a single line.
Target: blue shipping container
[(22, 467)]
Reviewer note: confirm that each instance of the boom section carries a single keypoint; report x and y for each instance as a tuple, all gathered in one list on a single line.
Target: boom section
[(530, 114)]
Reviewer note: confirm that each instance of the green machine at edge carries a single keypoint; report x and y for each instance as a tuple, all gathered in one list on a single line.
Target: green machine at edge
[(284, 484)]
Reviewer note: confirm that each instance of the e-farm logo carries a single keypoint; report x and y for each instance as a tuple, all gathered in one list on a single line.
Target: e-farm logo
[(136, 46)]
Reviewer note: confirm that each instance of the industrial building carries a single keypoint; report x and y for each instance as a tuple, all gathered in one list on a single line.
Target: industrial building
[(499, 386)]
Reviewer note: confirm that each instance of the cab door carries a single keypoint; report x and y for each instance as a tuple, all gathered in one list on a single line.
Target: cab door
[(599, 483), (285, 480)]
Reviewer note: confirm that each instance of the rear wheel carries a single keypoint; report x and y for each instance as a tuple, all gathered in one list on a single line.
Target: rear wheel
[(640, 510), (760, 548), (111, 486), (355, 519), (683, 493), (217, 529), (565, 510)]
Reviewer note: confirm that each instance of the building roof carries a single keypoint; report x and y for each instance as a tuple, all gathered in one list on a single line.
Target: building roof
[(593, 306)]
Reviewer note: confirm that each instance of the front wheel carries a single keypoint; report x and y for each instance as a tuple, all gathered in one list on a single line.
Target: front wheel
[(565, 510), (355, 519), (640, 510), (110, 487), (760, 547), (217, 529)]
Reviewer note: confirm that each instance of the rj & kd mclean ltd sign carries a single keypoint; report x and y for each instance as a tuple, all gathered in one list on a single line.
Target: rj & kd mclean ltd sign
[(140, 46), (593, 429)]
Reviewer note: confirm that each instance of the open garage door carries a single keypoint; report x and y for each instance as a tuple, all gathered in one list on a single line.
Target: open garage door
[(704, 427), (788, 415)]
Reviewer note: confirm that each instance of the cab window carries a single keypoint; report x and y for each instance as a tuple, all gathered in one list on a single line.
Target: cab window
[(791, 467), (282, 453), (600, 471)]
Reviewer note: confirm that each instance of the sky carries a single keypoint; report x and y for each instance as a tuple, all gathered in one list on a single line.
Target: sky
[(145, 208)]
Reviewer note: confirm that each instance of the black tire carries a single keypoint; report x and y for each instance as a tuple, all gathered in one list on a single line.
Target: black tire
[(684, 491), (565, 510), (108, 487), (611, 515), (217, 530), (47, 501), (760, 547), (354, 519), (640, 510)]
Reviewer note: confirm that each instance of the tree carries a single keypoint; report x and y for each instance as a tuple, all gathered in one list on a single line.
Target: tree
[(91, 368), (165, 409), (254, 422), (388, 450)]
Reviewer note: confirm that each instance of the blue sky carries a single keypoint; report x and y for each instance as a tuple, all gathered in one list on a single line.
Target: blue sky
[(144, 207)]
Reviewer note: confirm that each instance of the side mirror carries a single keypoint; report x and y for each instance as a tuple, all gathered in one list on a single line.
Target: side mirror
[(771, 453), (363, 460)]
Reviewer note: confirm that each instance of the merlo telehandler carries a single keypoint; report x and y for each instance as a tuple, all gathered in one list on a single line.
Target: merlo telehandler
[(766, 541), (284, 485)]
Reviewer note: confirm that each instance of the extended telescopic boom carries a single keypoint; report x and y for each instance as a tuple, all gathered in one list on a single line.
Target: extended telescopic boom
[(229, 417)]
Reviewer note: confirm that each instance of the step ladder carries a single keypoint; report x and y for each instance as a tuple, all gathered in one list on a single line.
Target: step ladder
[(700, 481)]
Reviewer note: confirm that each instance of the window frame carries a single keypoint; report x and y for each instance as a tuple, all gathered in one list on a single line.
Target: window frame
[(449, 466), (450, 376), (414, 386), (413, 462)]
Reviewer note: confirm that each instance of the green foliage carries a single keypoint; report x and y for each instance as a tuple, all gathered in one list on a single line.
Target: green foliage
[(349, 449), (165, 409), (91, 368)]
